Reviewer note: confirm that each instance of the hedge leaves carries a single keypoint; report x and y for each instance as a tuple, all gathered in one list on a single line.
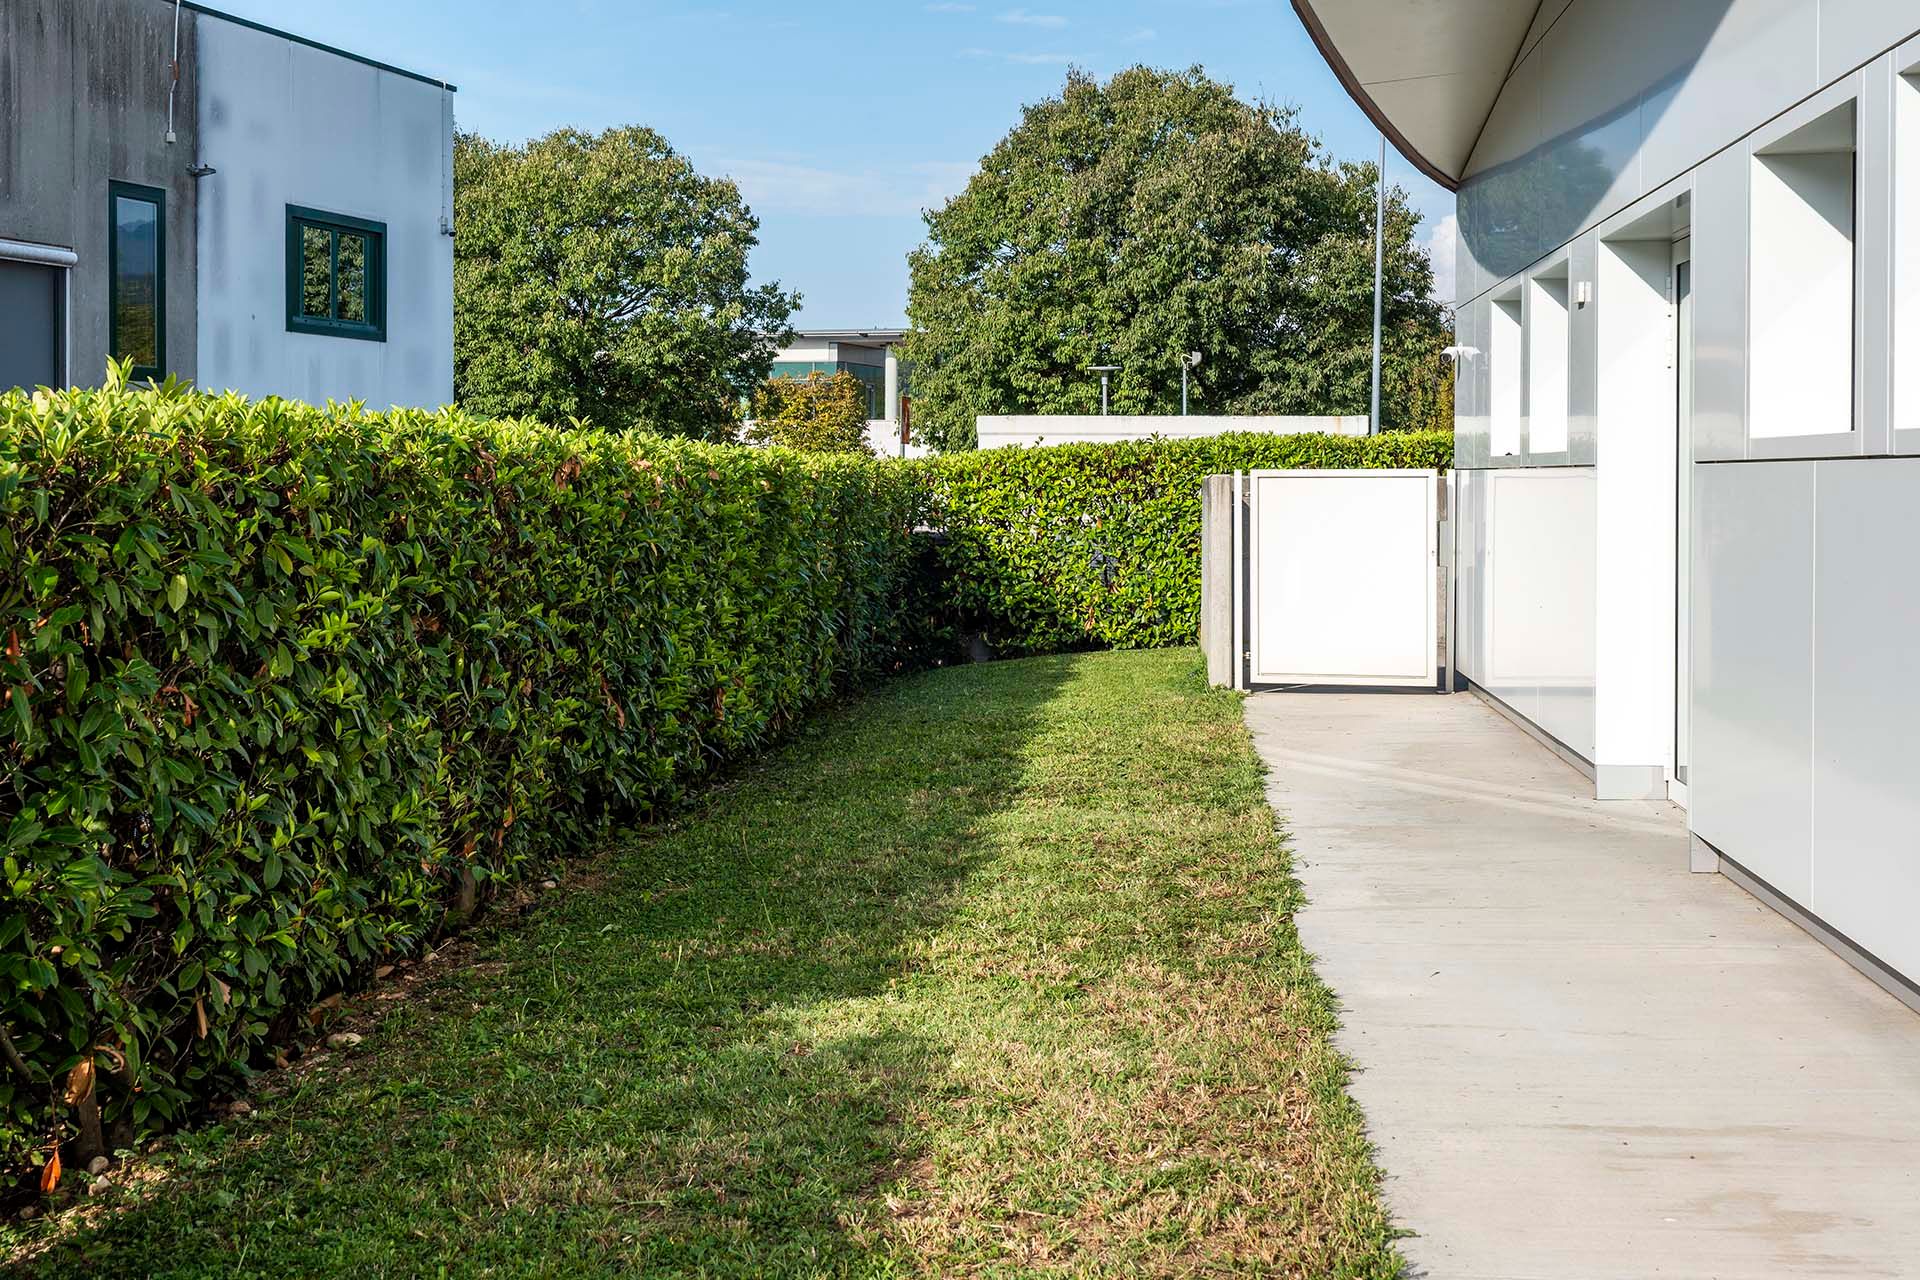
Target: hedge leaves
[(282, 683)]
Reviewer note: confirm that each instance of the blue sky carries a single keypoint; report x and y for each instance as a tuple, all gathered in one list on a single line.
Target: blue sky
[(839, 122)]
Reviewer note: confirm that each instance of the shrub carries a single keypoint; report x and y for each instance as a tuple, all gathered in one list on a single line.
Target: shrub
[(821, 413), (1075, 546), (283, 686)]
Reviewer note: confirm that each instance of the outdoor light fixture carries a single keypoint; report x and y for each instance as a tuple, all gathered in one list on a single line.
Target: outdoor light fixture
[(1103, 370)]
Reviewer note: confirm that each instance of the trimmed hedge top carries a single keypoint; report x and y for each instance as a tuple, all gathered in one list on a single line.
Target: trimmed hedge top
[(282, 684), (1081, 545)]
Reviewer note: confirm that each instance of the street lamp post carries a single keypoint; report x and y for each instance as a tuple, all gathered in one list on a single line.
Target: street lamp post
[(1379, 256), (1103, 370), (1189, 361)]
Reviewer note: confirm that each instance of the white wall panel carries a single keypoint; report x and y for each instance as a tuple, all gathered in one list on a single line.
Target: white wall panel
[(1539, 603), (1583, 423), (1873, 256), (1866, 651), (1904, 221), (285, 124), (1621, 96), (1470, 404), (1720, 231), (1751, 789), (1469, 582), (1854, 31)]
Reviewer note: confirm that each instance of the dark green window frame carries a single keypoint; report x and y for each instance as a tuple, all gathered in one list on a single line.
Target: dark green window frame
[(301, 220), (157, 197)]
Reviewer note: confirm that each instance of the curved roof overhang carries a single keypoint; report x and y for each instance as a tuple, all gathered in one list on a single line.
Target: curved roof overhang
[(1427, 71)]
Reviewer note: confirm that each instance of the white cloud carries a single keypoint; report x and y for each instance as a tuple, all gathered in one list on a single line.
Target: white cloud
[(785, 186), (1027, 18), (1442, 241), (948, 6), (1143, 35)]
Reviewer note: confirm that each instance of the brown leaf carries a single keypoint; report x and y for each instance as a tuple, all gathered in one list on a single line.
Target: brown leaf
[(13, 645), (226, 993), (80, 1082), (569, 472), (200, 1017), (50, 1173)]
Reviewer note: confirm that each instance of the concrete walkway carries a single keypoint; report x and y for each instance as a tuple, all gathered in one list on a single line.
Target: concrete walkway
[(1577, 1060)]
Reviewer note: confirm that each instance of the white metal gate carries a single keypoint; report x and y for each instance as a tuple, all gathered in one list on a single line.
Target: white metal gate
[(1340, 582)]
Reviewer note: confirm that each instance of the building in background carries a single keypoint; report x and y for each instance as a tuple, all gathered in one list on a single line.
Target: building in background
[(1688, 419), (275, 220), (869, 355)]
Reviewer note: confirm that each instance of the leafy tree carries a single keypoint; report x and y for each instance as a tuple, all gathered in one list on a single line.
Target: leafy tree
[(603, 278), (820, 413), (1131, 222)]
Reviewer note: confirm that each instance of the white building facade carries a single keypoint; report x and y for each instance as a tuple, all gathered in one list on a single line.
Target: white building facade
[(1688, 432), (326, 228)]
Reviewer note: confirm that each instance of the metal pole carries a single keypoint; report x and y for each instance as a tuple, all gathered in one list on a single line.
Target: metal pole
[(1183, 385), (1379, 259), (1103, 395)]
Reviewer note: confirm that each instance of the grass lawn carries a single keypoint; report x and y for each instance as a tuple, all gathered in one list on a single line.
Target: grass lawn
[(992, 972)]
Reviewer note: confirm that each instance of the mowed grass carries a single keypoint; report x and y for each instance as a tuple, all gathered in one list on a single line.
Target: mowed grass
[(992, 972)]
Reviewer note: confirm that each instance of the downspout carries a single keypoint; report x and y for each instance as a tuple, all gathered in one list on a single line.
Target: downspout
[(173, 90)]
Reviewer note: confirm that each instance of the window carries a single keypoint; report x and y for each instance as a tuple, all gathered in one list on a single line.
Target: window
[(137, 277), (336, 275), (1800, 366)]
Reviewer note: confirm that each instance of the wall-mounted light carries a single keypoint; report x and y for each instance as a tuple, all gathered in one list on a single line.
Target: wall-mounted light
[(1583, 293)]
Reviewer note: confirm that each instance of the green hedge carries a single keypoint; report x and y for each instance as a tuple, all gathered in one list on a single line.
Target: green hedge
[(1074, 546), (284, 686)]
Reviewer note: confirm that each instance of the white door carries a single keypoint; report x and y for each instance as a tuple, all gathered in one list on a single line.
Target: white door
[(1343, 578)]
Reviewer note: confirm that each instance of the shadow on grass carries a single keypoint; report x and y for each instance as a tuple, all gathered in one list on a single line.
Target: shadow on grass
[(688, 1065)]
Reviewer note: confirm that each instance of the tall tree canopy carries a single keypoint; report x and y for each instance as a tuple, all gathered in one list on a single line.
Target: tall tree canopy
[(603, 278), (1131, 222)]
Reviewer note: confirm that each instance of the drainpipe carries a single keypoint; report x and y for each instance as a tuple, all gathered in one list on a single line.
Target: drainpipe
[(173, 90)]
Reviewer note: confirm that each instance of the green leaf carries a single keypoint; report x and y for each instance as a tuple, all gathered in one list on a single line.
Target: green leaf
[(177, 592)]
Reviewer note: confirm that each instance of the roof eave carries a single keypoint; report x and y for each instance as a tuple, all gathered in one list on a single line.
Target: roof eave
[(1383, 122)]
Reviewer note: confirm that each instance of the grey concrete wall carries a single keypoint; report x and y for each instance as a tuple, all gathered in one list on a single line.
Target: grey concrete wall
[(83, 102)]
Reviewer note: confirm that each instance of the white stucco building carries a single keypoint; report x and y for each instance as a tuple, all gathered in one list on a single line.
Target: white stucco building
[(323, 155), (1688, 434)]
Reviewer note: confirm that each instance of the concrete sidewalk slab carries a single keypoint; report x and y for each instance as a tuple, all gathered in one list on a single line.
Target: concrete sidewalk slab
[(1577, 1059)]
